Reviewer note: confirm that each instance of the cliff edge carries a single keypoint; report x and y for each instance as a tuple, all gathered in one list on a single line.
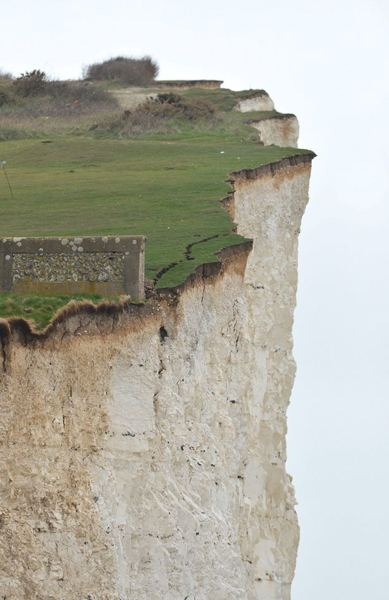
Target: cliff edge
[(143, 447)]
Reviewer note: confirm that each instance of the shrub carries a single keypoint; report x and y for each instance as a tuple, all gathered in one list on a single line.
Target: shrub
[(165, 113), (179, 107), (133, 71), (31, 83), (4, 98)]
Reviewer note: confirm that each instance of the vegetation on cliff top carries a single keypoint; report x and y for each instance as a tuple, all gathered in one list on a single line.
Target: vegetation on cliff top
[(109, 180), (126, 69)]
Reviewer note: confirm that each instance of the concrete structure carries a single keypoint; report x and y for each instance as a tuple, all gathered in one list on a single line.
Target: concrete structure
[(103, 265)]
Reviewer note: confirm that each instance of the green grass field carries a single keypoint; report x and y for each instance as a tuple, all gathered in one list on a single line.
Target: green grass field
[(167, 187)]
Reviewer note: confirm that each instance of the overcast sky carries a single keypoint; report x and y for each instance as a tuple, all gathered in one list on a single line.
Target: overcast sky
[(327, 61)]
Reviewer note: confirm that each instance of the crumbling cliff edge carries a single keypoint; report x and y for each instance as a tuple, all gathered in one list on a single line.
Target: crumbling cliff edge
[(143, 447)]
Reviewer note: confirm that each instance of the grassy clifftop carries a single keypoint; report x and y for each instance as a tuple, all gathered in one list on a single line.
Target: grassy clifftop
[(167, 186)]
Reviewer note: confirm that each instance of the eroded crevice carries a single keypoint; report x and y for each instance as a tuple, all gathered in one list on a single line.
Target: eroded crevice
[(161, 370), (3, 356), (163, 334), (5, 337)]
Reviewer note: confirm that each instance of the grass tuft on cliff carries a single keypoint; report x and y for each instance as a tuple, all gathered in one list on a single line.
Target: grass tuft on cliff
[(39, 308)]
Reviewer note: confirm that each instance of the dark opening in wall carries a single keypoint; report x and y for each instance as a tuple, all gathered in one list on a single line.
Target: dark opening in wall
[(162, 334)]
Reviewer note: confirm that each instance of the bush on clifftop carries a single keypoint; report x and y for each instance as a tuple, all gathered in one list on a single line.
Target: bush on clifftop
[(31, 83), (133, 71)]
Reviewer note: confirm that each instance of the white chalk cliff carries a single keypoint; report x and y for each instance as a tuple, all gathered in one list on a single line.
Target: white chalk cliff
[(143, 450), (281, 130), (260, 102)]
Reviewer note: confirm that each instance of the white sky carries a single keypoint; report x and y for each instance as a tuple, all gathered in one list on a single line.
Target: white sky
[(328, 63)]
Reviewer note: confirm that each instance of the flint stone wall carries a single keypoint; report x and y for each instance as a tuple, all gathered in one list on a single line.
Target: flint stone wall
[(102, 265)]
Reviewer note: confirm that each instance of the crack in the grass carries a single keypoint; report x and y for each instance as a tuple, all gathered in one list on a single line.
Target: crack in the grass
[(189, 247), (164, 270), (187, 255)]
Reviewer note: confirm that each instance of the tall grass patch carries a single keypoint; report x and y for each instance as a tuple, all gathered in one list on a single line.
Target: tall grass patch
[(59, 107), (167, 113)]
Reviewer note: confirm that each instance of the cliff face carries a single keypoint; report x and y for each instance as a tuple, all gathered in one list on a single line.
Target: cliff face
[(282, 131), (260, 102), (143, 452)]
